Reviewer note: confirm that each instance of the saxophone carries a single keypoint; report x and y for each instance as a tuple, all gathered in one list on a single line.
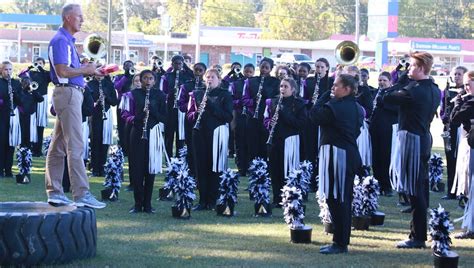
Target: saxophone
[(201, 109), (146, 110), (274, 121), (102, 100), (176, 90), (10, 94), (259, 97), (315, 96)]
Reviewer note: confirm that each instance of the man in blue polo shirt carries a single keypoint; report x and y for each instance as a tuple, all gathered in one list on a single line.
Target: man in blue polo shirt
[(67, 75)]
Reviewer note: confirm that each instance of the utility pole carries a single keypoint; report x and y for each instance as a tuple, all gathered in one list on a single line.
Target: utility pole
[(109, 34), (357, 21), (197, 57), (125, 29)]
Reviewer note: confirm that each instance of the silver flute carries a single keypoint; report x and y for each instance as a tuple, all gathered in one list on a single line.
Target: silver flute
[(259, 97), (201, 109), (146, 110), (315, 96), (274, 121), (10, 94), (176, 90)]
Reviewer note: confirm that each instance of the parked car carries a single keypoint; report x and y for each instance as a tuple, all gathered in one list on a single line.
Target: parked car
[(291, 58), (439, 69)]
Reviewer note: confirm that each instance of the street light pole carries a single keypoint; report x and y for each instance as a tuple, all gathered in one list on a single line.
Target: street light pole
[(357, 21), (125, 29), (198, 32), (109, 34)]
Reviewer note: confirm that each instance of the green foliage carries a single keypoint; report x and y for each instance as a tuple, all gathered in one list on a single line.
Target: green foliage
[(96, 16), (228, 13), (436, 19), (297, 20)]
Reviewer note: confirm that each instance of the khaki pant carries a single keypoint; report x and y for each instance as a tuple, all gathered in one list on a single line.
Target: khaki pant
[(67, 140)]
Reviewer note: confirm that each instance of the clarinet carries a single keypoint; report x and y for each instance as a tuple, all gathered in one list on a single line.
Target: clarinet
[(315, 96), (10, 94), (146, 110), (446, 135), (176, 90), (259, 97), (102, 100), (202, 107), (274, 121)]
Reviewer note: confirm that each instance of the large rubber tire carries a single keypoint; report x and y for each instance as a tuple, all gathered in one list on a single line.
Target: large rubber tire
[(33, 233)]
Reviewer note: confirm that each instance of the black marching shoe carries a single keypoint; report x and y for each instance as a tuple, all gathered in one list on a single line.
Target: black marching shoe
[(464, 235), (406, 210), (449, 197), (149, 210), (199, 207), (411, 243), (134, 210), (333, 249)]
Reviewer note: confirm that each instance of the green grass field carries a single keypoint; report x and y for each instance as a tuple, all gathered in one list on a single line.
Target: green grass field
[(205, 240)]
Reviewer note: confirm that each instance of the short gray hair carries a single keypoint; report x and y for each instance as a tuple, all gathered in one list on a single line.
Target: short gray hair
[(67, 8)]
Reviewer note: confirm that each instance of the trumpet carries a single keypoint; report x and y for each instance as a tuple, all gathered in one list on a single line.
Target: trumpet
[(34, 86), (201, 109), (88, 79), (132, 71), (157, 63), (259, 97), (315, 96), (10, 94), (176, 90), (102, 100), (146, 110), (274, 121), (237, 70)]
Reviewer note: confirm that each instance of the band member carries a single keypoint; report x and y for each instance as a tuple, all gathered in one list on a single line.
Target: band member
[(451, 131), (239, 121), (340, 118), (315, 86), (30, 99), (465, 155), (418, 102), (212, 112), (284, 118), (235, 73), (464, 113), (125, 105), (256, 91), (147, 108), (282, 72), (171, 85), (364, 98), (382, 120), (123, 84), (10, 136), (39, 75), (104, 96), (196, 84), (303, 72), (364, 77)]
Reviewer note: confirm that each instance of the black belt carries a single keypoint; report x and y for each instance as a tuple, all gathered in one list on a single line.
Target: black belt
[(70, 85)]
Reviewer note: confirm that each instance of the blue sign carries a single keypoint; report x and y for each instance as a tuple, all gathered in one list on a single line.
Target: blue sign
[(139, 42), (436, 46)]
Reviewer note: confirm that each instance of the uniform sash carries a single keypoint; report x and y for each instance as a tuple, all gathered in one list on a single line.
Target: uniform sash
[(108, 126), (156, 148), (85, 139), (406, 165), (33, 130), (464, 167), (42, 112), (181, 117), (364, 145), (337, 155), (14, 133), (220, 147), (292, 153)]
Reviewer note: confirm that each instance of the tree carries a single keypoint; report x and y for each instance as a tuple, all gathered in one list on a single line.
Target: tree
[(345, 11), (438, 19), (38, 7), (96, 16), (228, 13), (297, 20)]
